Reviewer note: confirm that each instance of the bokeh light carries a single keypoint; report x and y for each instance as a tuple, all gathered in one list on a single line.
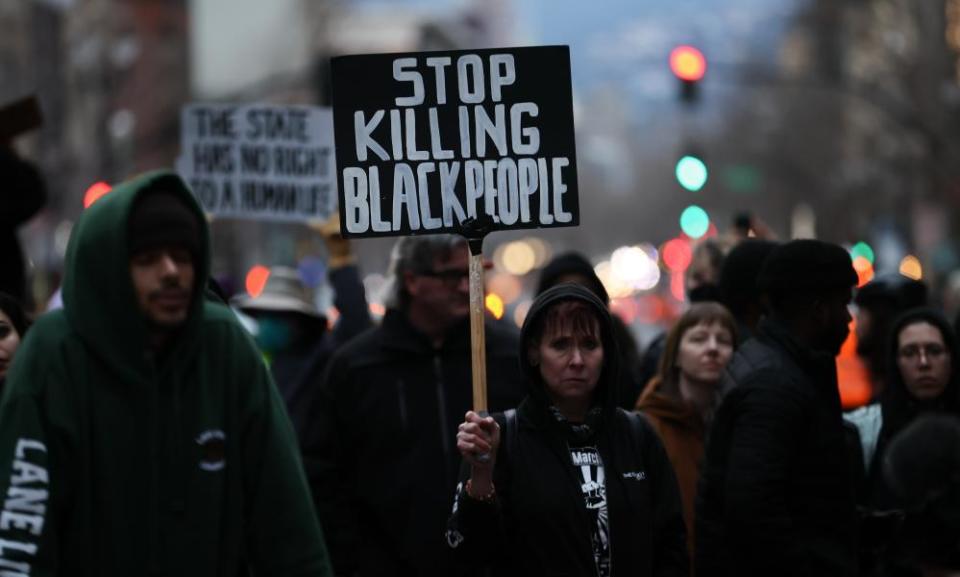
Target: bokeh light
[(910, 267), (614, 285), (677, 290), (677, 254), (96, 191), (691, 173), (625, 308), (495, 305), (862, 249), (506, 285), (257, 279), (864, 270), (518, 258), (633, 267), (650, 250), (541, 249), (694, 221), (688, 63)]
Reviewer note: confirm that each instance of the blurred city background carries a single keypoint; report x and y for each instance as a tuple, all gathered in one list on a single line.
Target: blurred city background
[(838, 119)]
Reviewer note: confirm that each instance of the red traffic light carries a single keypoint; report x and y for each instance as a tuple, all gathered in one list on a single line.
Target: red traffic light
[(688, 63)]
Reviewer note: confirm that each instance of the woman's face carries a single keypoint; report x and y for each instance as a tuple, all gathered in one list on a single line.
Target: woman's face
[(704, 351), (570, 363), (9, 341), (924, 360)]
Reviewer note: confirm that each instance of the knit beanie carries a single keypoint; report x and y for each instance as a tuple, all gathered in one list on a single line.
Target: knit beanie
[(738, 276), (159, 219), (804, 266)]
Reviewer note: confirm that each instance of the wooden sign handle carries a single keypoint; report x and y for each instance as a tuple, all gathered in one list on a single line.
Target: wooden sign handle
[(478, 339)]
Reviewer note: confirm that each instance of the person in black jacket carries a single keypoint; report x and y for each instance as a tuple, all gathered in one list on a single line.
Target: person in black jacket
[(572, 485), (574, 267), (776, 492), (922, 380), (24, 194), (922, 468), (383, 454)]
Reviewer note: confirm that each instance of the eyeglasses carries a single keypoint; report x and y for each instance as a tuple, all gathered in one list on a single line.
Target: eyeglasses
[(450, 278), (913, 352)]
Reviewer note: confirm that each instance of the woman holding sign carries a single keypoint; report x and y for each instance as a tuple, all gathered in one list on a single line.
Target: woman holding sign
[(568, 484)]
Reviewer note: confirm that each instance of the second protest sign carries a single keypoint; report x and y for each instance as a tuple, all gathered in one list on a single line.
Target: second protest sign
[(426, 141)]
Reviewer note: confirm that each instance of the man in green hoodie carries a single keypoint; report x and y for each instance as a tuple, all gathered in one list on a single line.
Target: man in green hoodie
[(140, 433)]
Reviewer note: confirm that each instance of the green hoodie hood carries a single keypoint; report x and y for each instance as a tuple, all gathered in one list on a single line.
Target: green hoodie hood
[(183, 464), (98, 295)]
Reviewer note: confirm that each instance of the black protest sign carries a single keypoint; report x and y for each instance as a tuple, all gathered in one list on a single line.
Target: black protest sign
[(259, 161), (425, 141)]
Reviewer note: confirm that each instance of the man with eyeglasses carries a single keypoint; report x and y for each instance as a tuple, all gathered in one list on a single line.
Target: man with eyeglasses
[(388, 413)]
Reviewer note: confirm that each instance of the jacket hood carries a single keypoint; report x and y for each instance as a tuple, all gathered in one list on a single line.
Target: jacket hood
[(98, 295), (606, 391), (571, 263), (898, 405)]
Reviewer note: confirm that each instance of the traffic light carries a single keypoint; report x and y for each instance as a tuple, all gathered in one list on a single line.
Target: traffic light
[(689, 65), (691, 172)]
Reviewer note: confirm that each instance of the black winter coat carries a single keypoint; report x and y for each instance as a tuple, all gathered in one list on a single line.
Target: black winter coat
[(385, 459), (776, 492), (539, 524)]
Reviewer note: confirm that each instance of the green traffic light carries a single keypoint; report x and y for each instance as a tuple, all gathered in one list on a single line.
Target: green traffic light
[(694, 221), (691, 173)]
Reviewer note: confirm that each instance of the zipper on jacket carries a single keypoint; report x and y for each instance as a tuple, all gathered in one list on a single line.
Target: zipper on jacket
[(442, 409)]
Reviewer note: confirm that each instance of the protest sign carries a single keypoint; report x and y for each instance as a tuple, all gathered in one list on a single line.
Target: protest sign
[(461, 142), (428, 140), (259, 161)]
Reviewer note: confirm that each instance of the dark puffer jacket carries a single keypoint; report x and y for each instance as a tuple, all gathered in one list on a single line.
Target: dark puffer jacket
[(776, 494), (539, 524), (382, 456)]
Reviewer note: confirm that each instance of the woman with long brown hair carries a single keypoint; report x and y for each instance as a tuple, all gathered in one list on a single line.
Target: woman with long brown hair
[(679, 401)]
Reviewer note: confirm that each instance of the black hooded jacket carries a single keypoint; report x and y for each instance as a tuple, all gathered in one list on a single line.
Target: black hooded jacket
[(539, 523), (382, 456), (776, 495), (917, 534), (898, 408)]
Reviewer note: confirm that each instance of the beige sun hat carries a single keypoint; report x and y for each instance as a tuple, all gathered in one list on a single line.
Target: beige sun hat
[(284, 292)]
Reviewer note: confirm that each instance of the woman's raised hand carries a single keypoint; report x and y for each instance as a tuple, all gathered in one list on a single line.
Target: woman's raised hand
[(477, 440)]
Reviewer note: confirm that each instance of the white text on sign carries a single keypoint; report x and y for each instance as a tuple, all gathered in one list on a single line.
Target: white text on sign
[(496, 158)]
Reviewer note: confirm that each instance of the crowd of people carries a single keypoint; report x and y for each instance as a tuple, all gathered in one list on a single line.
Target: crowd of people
[(153, 426)]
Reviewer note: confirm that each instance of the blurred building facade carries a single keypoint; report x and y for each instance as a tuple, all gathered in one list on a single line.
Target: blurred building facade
[(112, 76)]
